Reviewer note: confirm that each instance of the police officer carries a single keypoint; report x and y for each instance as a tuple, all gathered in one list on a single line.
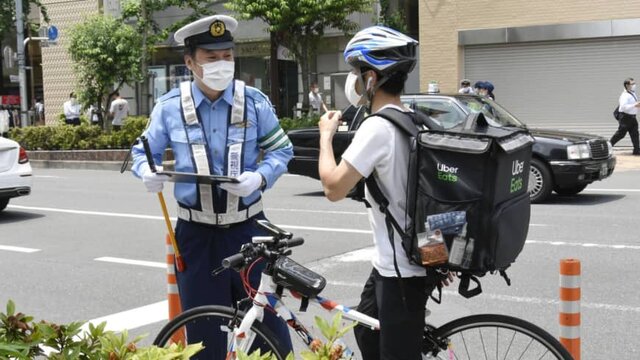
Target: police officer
[(215, 125)]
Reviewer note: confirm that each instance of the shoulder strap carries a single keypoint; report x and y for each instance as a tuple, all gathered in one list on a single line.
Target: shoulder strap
[(405, 121)]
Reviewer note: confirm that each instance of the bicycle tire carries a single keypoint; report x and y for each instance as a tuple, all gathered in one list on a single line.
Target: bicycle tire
[(211, 313), (484, 333)]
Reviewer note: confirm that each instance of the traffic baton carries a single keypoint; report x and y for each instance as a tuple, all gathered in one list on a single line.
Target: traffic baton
[(570, 306), (173, 296), (179, 261)]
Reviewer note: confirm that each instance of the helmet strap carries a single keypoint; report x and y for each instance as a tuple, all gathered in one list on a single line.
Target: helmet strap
[(368, 95)]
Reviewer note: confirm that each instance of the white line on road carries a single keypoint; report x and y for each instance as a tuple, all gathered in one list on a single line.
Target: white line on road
[(518, 299), (611, 190), (153, 264), (18, 249), (587, 245), (134, 318), (84, 212)]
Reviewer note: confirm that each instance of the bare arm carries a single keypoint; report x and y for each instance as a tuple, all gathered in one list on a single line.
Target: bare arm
[(337, 179)]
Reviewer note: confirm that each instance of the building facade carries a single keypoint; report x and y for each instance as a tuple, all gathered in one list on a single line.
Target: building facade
[(554, 63)]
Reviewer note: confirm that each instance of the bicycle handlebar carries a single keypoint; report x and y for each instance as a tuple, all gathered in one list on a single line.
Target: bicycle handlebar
[(252, 250)]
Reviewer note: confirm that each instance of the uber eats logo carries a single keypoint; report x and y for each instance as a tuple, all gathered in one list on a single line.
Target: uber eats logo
[(447, 173), (517, 168)]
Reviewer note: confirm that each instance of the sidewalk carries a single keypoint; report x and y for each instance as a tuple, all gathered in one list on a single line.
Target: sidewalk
[(625, 161)]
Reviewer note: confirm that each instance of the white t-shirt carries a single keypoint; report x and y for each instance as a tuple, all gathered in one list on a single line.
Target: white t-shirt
[(120, 109), (379, 145), (315, 101)]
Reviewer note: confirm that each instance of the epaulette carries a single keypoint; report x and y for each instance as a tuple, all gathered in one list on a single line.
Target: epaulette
[(256, 95), (171, 94)]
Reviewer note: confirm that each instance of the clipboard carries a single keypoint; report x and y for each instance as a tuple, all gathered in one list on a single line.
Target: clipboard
[(193, 178)]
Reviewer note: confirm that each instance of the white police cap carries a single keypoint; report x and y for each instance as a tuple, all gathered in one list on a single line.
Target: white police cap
[(212, 32)]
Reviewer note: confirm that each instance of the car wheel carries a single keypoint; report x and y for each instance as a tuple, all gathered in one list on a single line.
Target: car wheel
[(570, 190), (540, 181), (3, 203)]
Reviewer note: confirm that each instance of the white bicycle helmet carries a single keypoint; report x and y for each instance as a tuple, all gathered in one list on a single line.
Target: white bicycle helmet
[(382, 49)]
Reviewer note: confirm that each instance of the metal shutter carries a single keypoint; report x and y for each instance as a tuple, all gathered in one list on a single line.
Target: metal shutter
[(572, 85)]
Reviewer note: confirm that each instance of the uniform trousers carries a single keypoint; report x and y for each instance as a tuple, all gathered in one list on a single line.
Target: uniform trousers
[(202, 248), (401, 320), (629, 124)]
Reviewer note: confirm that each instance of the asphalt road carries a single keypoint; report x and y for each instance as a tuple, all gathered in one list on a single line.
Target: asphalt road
[(67, 253)]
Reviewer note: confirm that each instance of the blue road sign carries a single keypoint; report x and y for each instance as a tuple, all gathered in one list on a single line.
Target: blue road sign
[(52, 33)]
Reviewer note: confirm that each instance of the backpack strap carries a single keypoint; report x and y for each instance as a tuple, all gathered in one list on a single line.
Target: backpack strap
[(464, 288)]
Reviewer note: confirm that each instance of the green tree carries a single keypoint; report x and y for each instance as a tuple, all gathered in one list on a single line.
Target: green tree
[(105, 51), (8, 19), (394, 19), (299, 25), (8, 15), (141, 13)]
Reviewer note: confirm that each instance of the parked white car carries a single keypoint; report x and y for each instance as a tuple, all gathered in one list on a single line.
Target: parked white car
[(15, 172)]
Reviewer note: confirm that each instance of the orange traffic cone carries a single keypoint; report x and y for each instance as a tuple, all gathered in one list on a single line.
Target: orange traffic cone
[(175, 308)]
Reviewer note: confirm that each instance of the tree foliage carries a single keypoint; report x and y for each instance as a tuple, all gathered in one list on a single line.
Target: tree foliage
[(140, 12), (299, 25), (8, 15), (105, 52)]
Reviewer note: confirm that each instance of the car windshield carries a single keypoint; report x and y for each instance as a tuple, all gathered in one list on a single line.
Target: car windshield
[(494, 113)]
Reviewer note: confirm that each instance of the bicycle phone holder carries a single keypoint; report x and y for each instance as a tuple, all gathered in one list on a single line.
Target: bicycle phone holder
[(277, 232)]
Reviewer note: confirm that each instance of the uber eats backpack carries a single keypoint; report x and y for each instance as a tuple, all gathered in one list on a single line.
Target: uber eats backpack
[(470, 182)]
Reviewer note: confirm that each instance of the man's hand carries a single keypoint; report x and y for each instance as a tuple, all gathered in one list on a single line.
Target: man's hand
[(329, 123), (151, 180), (447, 279), (248, 183)]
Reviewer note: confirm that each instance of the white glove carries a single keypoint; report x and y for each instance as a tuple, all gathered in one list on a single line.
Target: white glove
[(151, 180), (248, 183)]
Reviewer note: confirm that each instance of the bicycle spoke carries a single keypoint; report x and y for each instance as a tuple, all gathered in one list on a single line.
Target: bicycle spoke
[(484, 348), (510, 344), (525, 349)]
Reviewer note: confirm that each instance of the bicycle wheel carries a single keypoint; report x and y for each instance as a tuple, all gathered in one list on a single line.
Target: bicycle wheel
[(490, 336), (221, 318)]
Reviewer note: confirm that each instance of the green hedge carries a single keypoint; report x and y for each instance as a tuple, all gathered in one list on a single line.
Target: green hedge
[(83, 137), (91, 137)]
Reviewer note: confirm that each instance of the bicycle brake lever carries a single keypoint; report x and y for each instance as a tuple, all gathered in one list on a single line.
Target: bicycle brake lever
[(217, 271)]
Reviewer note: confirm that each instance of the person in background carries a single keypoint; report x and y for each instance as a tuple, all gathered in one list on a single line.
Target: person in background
[(215, 125), (39, 109), (628, 106), (118, 111), (489, 90), (315, 100), (72, 110), (465, 87)]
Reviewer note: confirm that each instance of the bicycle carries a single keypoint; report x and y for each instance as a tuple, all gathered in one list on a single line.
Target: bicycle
[(501, 336)]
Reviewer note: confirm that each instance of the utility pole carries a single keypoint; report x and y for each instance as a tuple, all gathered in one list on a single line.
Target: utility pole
[(22, 76)]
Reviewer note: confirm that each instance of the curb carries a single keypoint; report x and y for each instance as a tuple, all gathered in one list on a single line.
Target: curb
[(624, 162)]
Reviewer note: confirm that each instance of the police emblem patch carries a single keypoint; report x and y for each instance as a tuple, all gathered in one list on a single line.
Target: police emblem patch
[(217, 28)]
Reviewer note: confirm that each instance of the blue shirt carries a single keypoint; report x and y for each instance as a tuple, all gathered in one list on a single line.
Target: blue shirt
[(263, 133)]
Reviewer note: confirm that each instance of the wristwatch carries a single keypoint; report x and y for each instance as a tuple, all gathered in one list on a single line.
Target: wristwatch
[(263, 184)]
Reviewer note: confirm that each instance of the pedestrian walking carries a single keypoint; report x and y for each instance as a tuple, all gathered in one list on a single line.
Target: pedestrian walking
[(628, 105), (72, 110), (215, 125), (118, 111), (39, 109)]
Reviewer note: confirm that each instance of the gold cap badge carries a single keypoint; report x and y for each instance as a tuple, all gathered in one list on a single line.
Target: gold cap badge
[(217, 28)]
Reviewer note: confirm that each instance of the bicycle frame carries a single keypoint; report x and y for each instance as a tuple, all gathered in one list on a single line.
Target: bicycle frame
[(267, 296)]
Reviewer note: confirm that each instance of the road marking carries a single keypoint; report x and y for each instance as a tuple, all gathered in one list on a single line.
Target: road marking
[(18, 249), (134, 318), (586, 245), (612, 190), (320, 211), (48, 176), (153, 264), (84, 212)]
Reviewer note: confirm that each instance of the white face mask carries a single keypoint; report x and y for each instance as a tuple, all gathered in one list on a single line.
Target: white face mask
[(350, 89), (633, 87), (217, 75)]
